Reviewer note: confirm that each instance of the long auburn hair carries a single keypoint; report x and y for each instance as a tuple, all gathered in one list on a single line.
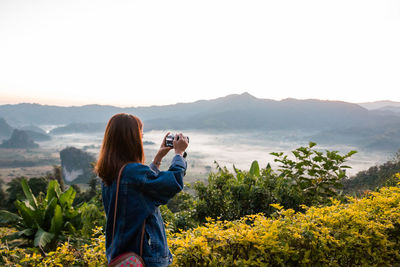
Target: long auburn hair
[(122, 144)]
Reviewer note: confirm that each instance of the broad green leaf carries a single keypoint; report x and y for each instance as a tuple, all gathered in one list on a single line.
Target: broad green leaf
[(28, 194), (49, 213), (27, 214), (42, 238), (239, 177), (7, 218), (39, 215), (67, 198), (51, 192), (239, 174), (71, 213), (26, 232), (255, 169), (82, 206), (56, 221), (57, 189)]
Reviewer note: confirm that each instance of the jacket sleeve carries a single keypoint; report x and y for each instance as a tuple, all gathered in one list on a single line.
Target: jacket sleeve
[(163, 185), (154, 168)]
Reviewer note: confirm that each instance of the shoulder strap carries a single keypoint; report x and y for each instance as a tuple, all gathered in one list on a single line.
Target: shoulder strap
[(115, 213)]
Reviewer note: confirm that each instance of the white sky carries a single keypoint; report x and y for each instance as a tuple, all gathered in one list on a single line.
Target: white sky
[(135, 53)]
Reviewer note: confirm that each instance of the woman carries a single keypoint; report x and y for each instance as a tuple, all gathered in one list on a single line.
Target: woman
[(142, 190)]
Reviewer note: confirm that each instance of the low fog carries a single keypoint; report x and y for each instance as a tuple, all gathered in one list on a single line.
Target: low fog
[(226, 149)]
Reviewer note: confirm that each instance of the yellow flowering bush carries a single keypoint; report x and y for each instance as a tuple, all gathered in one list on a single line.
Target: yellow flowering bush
[(91, 254), (363, 232), (94, 254)]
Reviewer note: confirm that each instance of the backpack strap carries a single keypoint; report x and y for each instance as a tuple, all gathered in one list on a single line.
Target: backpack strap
[(115, 213)]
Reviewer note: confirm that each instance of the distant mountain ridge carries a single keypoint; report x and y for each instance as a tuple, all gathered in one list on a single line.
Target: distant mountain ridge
[(219, 112), (341, 120), (33, 132), (380, 104), (385, 107)]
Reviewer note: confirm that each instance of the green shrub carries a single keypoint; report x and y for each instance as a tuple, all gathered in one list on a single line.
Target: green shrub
[(41, 220), (183, 206), (364, 232), (14, 190), (91, 253), (310, 178), (229, 196)]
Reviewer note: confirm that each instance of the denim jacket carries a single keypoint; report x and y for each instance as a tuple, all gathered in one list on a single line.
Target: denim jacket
[(142, 190)]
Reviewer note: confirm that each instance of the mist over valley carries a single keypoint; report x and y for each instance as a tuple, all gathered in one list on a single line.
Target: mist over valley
[(232, 130)]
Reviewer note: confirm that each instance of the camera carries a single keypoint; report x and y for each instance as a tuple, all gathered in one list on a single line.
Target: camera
[(169, 140)]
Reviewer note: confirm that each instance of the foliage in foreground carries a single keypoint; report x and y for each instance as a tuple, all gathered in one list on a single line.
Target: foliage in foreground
[(37, 185), (362, 232), (308, 177), (67, 254), (44, 221)]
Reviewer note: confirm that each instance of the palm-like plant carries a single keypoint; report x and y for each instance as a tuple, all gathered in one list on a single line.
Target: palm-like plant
[(41, 220)]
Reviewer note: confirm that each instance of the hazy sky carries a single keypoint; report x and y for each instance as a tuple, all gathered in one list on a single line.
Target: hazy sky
[(134, 53)]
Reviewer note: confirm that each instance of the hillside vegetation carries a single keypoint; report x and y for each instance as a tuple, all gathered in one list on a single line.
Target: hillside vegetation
[(373, 178), (295, 215), (364, 232)]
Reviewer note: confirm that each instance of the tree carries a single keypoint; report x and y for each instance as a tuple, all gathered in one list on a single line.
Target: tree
[(310, 178)]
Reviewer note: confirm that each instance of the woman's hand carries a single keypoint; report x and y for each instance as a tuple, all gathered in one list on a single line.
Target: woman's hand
[(180, 144), (162, 152)]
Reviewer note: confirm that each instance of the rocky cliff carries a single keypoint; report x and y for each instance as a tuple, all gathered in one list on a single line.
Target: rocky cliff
[(76, 165)]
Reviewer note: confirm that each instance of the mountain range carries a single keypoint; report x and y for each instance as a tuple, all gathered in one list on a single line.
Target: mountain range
[(369, 125), (380, 104)]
